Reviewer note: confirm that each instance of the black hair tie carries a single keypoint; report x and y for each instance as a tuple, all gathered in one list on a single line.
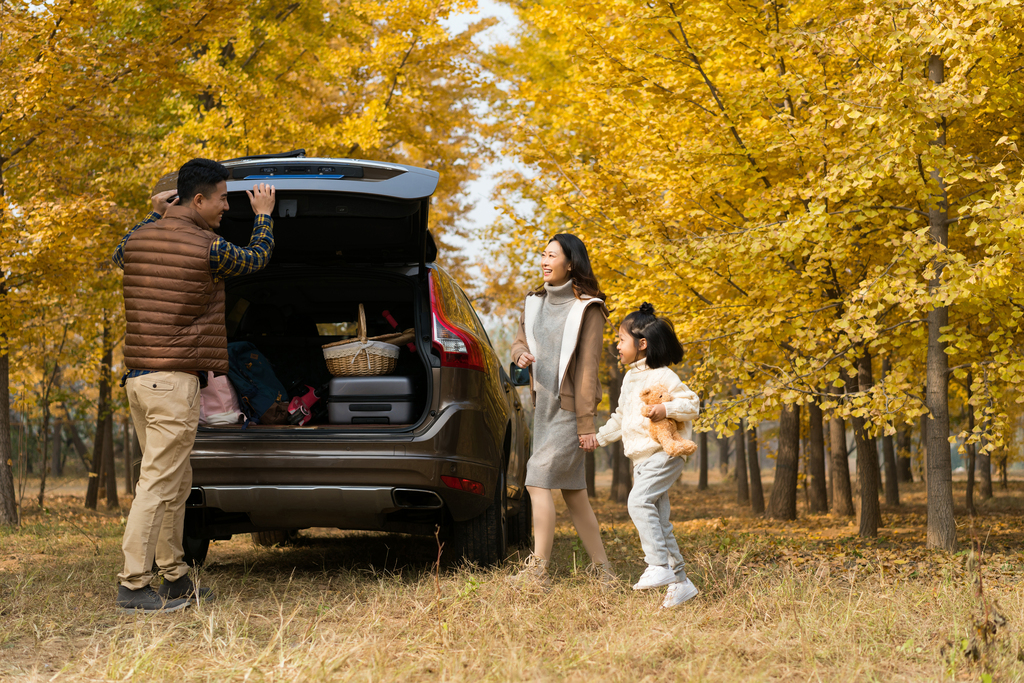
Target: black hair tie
[(646, 308)]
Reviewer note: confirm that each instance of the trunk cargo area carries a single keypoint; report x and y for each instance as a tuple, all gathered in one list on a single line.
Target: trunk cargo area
[(290, 312)]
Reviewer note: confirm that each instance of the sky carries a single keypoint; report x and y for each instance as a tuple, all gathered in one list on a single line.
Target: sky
[(479, 191)]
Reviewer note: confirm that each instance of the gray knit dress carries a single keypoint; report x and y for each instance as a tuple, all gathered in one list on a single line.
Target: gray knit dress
[(557, 461)]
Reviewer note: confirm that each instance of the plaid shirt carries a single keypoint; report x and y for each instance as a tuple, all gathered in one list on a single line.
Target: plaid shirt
[(226, 259)]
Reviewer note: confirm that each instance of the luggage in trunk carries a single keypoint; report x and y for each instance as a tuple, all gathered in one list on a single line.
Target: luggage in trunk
[(383, 400)]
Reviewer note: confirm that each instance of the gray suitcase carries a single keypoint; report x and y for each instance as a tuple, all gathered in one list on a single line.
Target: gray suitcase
[(381, 400)]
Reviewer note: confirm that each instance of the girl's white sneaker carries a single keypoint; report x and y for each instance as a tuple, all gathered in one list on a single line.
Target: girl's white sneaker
[(654, 576), (678, 593)]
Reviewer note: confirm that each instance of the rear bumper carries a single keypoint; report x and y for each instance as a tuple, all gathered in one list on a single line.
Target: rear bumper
[(304, 506), (300, 479)]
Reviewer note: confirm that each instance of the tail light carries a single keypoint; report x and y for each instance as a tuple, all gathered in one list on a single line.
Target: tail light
[(457, 347), (463, 484)]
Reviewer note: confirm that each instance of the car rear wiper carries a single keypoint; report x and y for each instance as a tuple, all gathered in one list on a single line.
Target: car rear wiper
[(294, 154)]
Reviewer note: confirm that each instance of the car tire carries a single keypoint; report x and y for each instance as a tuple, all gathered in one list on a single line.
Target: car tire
[(484, 539), (195, 550), (520, 525), (274, 537)]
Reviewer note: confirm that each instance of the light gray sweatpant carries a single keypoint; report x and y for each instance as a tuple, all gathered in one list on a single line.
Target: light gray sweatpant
[(649, 509)]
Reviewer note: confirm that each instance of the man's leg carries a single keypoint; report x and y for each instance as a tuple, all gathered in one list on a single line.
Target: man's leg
[(170, 556), (166, 407)]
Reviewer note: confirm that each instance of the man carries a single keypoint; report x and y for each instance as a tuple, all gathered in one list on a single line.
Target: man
[(174, 270)]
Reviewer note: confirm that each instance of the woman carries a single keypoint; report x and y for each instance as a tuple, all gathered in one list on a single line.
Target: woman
[(561, 335)]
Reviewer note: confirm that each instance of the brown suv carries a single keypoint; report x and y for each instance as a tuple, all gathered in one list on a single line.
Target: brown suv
[(348, 233)]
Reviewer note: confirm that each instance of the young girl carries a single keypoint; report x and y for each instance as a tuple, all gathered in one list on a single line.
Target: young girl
[(648, 345)]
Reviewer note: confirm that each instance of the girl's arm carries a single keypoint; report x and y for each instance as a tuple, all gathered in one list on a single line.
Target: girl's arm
[(612, 429), (685, 405)]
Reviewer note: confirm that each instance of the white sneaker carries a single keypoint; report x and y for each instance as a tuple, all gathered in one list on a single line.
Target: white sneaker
[(655, 577), (678, 593)]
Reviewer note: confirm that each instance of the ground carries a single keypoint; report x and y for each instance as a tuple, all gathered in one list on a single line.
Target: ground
[(804, 600)]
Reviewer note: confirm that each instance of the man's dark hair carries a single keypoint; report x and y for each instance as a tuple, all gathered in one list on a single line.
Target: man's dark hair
[(199, 176), (663, 347)]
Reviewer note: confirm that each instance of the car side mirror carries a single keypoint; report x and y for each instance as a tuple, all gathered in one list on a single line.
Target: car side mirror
[(520, 376)]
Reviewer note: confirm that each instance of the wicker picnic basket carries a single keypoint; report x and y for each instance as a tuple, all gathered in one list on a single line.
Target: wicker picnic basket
[(364, 356)]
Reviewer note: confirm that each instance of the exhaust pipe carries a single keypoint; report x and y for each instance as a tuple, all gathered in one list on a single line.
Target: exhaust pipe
[(417, 499)]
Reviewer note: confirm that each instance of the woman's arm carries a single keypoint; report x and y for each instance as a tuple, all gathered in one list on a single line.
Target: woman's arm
[(587, 387), (519, 345)]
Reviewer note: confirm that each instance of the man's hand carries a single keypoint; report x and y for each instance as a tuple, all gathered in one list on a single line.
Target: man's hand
[(525, 360), (588, 442), (657, 413), (161, 201), (263, 197)]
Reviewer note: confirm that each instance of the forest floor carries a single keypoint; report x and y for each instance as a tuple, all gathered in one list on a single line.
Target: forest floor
[(802, 600)]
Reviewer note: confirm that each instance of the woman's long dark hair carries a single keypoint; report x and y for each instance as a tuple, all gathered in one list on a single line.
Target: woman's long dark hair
[(584, 282)]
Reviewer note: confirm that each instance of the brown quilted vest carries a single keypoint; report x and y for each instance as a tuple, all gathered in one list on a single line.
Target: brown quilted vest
[(173, 306)]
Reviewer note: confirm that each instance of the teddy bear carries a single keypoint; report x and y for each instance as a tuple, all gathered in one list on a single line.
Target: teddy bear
[(665, 431)]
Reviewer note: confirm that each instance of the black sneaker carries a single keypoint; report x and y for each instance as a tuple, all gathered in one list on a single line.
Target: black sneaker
[(146, 601), (184, 588)]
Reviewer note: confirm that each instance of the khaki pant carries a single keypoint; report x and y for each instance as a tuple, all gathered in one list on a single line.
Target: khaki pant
[(165, 410)]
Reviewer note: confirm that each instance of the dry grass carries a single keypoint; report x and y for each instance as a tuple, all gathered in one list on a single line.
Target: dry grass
[(797, 601)]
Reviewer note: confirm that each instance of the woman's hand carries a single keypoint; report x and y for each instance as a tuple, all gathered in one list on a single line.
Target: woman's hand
[(657, 413), (588, 442), (525, 360)]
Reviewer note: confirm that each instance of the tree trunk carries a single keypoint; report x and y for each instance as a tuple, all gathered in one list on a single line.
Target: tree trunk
[(867, 459), (903, 472), (92, 491), (817, 494), (842, 490), (985, 472), (754, 462), (76, 441), (742, 486), (1004, 479), (56, 462), (103, 416), (922, 446), (702, 459), (622, 469), (44, 451), (8, 498), (941, 523), (126, 455), (782, 504), (892, 490), (971, 452), (723, 455), (109, 471)]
